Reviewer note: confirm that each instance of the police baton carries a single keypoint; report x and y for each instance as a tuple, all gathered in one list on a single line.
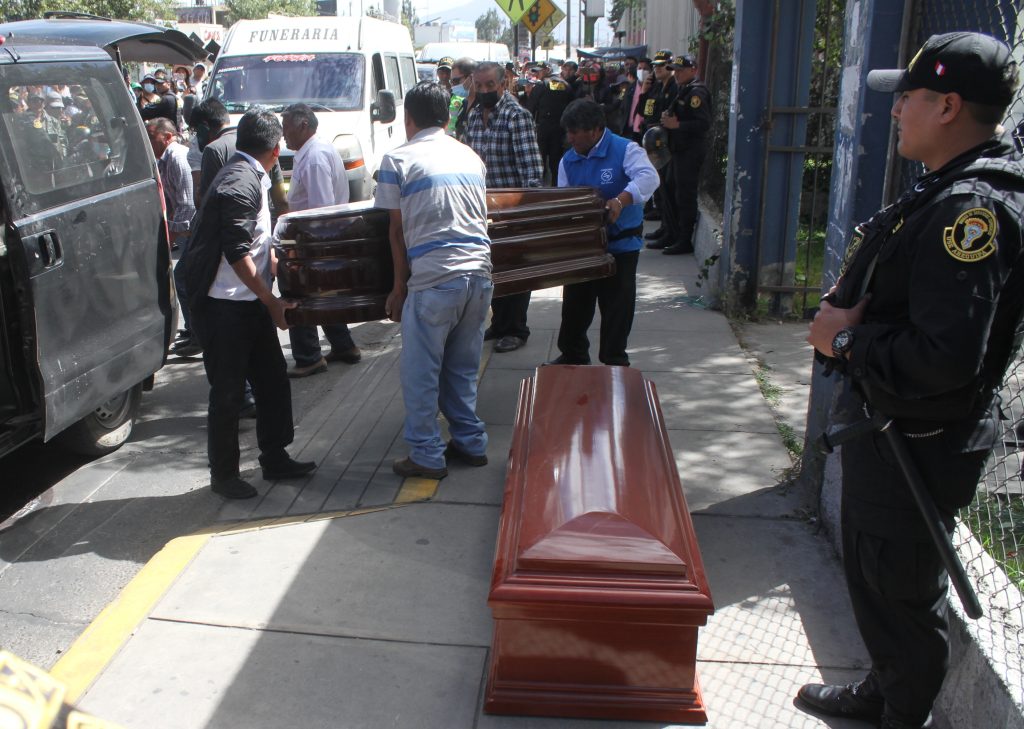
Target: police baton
[(898, 443)]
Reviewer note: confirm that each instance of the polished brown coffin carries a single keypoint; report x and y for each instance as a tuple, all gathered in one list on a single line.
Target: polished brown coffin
[(598, 586), (336, 261)]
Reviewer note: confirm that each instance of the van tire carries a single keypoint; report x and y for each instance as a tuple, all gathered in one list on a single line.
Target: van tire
[(105, 429)]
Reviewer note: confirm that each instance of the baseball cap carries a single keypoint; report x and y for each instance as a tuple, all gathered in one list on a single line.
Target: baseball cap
[(621, 80), (446, 62), (663, 56), (682, 60), (976, 66), (150, 77)]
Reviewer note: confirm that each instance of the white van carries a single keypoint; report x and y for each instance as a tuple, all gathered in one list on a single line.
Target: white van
[(433, 52), (352, 71)]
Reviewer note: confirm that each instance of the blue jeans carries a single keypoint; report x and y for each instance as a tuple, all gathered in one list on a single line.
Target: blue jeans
[(306, 342), (442, 335)]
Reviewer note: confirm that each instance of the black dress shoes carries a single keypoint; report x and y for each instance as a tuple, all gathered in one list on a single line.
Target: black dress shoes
[(677, 249), (659, 233), (860, 700), (233, 488), (656, 245), (509, 344), (564, 360), (286, 468)]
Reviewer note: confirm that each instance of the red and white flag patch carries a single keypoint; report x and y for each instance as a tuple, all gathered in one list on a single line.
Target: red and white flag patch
[(940, 70)]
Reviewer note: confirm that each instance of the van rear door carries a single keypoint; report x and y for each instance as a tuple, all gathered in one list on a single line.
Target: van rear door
[(89, 263)]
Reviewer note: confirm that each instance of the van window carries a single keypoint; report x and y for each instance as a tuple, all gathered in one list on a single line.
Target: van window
[(323, 80), (393, 81), (69, 132), (408, 73)]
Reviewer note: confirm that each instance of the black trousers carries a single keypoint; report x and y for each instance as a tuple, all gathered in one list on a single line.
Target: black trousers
[(897, 583), (615, 296), (239, 339), (551, 141), (508, 316), (684, 181)]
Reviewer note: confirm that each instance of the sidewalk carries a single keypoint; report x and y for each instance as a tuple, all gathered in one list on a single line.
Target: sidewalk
[(342, 601)]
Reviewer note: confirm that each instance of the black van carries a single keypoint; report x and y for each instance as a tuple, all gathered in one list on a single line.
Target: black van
[(87, 308)]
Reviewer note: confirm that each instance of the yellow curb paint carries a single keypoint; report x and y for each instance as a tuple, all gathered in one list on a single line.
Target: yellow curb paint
[(83, 662), (416, 489), (101, 641)]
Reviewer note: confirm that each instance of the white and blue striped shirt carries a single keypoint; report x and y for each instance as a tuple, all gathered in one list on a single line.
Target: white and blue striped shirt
[(439, 185)]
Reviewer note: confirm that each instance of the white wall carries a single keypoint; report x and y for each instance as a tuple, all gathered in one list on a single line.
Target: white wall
[(670, 24)]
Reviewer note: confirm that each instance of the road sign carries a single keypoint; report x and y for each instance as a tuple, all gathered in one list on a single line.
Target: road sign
[(514, 9), (538, 14), (551, 23)]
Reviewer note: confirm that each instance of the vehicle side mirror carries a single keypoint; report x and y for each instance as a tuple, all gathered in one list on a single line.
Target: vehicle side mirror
[(384, 110)]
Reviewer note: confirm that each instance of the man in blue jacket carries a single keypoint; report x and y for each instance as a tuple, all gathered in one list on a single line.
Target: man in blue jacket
[(626, 180)]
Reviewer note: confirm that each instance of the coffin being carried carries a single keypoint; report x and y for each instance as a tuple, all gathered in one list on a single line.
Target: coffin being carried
[(336, 261)]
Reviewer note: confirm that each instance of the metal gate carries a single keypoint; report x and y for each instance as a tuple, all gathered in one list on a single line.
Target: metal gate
[(799, 125)]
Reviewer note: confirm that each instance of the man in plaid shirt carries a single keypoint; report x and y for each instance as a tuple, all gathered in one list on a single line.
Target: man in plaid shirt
[(502, 134)]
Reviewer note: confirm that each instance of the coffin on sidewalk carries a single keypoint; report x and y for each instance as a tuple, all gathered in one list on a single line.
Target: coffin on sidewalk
[(336, 261), (598, 586)]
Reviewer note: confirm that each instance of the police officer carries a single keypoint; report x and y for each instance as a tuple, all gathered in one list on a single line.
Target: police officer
[(444, 72), (687, 119), (656, 99), (547, 102), (921, 325)]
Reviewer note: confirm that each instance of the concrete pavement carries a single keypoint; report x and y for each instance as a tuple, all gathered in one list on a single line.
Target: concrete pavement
[(341, 601)]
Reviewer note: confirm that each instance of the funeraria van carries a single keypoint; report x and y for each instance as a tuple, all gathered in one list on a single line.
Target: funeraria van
[(293, 34)]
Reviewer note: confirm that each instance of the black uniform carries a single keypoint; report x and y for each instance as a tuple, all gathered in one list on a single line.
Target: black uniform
[(691, 105), (945, 271), (654, 102), (547, 102)]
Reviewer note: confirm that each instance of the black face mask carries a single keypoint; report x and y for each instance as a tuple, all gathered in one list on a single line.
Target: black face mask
[(488, 99), (202, 136)]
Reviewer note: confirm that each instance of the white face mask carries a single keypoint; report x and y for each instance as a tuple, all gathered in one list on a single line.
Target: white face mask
[(641, 75)]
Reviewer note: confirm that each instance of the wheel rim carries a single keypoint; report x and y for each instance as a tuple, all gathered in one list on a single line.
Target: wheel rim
[(112, 411)]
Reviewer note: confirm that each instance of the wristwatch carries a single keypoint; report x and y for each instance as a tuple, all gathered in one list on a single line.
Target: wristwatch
[(842, 343)]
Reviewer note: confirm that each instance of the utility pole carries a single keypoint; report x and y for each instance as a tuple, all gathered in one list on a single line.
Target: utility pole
[(568, 30)]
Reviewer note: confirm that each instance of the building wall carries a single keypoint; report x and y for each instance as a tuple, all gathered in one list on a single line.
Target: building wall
[(670, 24)]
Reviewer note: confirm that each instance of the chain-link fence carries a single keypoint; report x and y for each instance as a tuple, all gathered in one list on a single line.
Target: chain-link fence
[(991, 538)]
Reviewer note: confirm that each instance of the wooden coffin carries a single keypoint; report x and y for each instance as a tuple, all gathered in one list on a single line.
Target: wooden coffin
[(336, 261), (598, 586)]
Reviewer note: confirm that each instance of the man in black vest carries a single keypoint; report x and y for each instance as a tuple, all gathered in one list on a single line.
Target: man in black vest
[(687, 119), (921, 325), (659, 90)]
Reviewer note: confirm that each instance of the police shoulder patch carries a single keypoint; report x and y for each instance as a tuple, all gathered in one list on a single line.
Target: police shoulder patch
[(972, 237), (694, 102)]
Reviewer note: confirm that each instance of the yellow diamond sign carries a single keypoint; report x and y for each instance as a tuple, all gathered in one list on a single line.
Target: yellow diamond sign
[(549, 25), (515, 9), (539, 14)]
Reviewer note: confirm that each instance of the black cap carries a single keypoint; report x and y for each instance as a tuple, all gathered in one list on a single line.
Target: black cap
[(682, 60), (976, 66), (662, 56)]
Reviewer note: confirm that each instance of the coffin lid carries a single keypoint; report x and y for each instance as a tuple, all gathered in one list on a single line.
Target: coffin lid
[(599, 494)]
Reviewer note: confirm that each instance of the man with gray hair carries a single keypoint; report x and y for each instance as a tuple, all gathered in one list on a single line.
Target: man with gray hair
[(318, 180)]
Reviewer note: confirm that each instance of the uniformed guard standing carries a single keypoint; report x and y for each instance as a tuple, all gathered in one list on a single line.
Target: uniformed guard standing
[(922, 325), (654, 102), (547, 102), (687, 119)]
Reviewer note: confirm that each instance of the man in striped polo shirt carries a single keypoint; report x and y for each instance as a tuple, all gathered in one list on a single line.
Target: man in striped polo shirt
[(434, 188)]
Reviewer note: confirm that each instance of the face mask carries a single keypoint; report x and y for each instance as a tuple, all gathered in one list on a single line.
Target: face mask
[(148, 88), (488, 99), (641, 75)]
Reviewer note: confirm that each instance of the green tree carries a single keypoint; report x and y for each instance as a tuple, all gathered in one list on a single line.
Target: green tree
[(409, 17), (621, 8), (257, 9), (121, 9), (489, 26)]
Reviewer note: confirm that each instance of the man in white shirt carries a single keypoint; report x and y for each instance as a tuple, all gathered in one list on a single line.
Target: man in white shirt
[(234, 311), (318, 180)]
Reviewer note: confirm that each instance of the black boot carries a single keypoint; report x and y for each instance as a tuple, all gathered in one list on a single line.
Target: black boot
[(861, 700)]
